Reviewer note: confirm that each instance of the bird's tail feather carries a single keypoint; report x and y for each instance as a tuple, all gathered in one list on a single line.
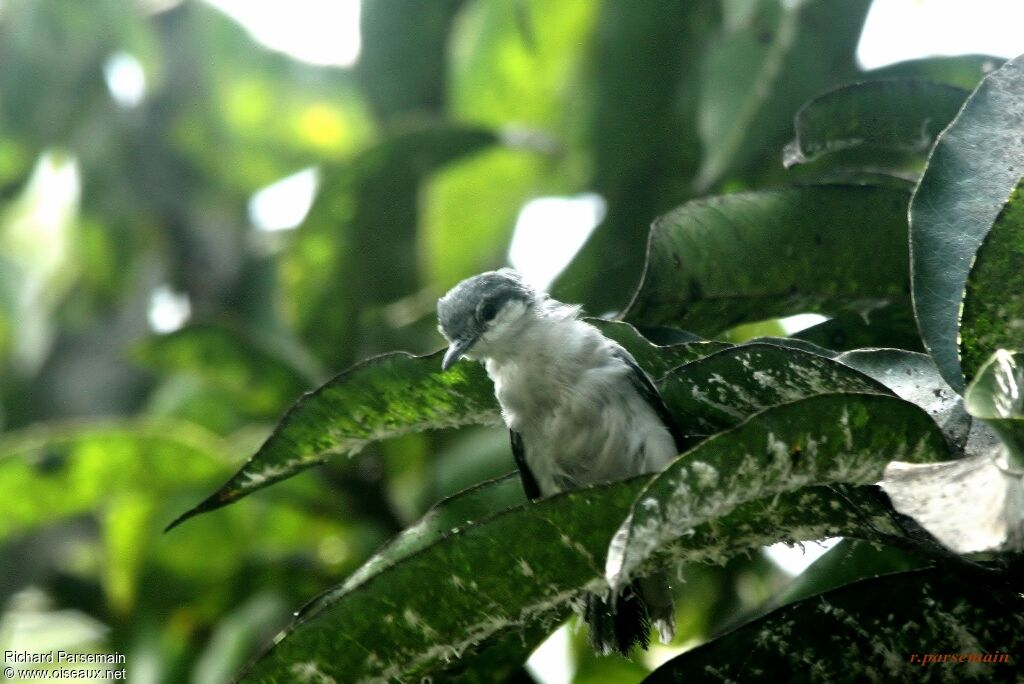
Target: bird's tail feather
[(618, 622)]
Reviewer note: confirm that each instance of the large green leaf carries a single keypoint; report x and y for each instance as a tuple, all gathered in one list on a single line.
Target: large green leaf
[(722, 390), (52, 472), (974, 165), (857, 512), (756, 75), (386, 396), (822, 439), (393, 395), (896, 115), (433, 606), (993, 306), (879, 629), (717, 262)]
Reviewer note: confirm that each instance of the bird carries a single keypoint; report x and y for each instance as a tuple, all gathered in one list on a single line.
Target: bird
[(579, 410)]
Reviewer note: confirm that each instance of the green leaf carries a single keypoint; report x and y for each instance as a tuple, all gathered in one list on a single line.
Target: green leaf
[(800, 515), (822, 439), (963, 71), (258, 378), (443, 519), (656, 359), (757, 75), (997, 397), (993, 305), (386, 396), (502, 659), (433, 606), (717, 262), (875, 630), (722, 390), (56, 471), (972, 168), (914, 378), (885, 328), (897, 115), (389, 396)]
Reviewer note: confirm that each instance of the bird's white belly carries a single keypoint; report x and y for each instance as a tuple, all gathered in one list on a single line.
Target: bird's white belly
[(598, 429)]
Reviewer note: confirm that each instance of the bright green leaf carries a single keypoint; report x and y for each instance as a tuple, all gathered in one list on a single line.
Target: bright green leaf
[(56, 471), (498, 78), (470, 211)]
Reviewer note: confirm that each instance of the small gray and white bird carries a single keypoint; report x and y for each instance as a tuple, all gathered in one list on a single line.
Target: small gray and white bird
[(580, 411)]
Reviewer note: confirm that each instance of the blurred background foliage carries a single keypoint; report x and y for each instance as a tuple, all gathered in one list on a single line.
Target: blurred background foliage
[(159, 310)]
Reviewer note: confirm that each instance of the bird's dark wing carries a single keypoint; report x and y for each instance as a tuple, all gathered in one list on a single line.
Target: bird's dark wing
[(530, 485), (645, 386)]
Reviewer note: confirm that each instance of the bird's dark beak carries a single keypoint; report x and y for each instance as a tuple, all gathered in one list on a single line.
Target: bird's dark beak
[(455, 352)]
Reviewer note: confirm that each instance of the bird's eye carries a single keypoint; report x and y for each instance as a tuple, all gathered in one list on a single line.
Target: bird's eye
[(488, 311)]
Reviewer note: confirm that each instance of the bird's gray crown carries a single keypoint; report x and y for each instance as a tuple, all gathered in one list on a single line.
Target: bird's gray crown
[(468, 307)]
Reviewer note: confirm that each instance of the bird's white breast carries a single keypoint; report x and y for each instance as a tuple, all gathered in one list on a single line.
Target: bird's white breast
[(575, 406)]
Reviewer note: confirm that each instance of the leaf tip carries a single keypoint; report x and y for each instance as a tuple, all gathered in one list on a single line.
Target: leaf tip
[(214, 501)]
